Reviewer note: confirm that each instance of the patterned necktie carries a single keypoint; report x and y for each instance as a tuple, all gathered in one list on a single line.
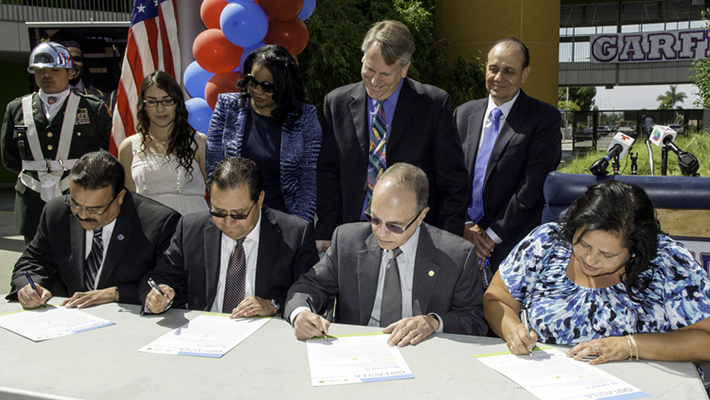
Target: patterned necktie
[(475, 208), (93, 261), (391, 310), (378, 153), (235, 284)]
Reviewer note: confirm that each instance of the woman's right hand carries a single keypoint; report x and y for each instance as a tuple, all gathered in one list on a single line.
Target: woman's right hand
[(518, 340)]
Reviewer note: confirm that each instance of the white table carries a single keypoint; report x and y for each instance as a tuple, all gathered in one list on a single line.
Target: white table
[(271, 364)]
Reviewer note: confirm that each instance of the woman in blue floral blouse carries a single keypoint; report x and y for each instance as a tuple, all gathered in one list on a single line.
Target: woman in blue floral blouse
[(606, 280)]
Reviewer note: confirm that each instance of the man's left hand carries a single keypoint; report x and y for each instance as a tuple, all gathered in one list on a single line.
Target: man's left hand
[(411, 330), (91, 298), (253, 306)]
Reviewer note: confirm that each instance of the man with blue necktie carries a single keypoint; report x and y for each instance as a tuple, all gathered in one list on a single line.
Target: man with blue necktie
[(511, 141)]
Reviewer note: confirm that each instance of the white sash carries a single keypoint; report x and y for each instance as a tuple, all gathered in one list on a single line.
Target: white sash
[(49, 172)]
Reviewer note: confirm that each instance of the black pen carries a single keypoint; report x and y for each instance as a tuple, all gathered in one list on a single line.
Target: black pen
[(29, 278), (313, 310), (155, 286)]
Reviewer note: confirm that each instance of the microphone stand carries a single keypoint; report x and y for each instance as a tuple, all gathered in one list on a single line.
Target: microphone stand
[(615, 165), (634, 166), (664, 161), (650, 156)]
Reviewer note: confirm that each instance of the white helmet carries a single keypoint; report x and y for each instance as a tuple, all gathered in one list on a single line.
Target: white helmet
[(49, 55)]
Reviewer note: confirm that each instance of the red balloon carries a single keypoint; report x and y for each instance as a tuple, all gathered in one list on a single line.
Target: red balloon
[(281, 10), (221, 83), (215, 53), (210, 11), (291, 34)]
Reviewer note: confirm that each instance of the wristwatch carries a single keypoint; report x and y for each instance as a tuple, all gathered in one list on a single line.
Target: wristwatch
[(275, 304)]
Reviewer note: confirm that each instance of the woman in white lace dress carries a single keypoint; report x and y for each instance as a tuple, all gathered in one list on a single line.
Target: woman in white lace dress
[(165, 159)]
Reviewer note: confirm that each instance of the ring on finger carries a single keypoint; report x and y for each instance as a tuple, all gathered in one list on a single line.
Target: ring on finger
[(599, 351), (252, 308)]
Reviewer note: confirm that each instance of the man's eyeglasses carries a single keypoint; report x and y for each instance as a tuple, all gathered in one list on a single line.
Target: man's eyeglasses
[(233, 216), (91, 210), (266, 86), (154, 103), (390, 226)]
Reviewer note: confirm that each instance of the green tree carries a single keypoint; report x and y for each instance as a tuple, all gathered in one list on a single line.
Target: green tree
[(701, 78), (582, 96), (670, 98), (336, 30)]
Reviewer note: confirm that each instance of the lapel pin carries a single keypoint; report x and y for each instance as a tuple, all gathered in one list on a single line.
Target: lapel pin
[(431, 273), (120, 236)]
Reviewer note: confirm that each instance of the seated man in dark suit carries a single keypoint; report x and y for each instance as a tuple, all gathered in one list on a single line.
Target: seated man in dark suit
[(395, 272), (96, 243), (241, 259)]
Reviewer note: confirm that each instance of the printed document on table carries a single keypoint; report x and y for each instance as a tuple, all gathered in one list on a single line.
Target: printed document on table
[(209, 335), (551, 375), (355, 358), (51, 322)]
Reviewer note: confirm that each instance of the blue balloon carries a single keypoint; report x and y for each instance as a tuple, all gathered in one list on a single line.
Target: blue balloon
[(307, 10), (195, 78), (243, 23), (200, 114), (248, 51)]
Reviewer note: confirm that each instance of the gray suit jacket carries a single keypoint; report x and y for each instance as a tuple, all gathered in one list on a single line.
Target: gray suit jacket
[(191, 264), (446, 281)]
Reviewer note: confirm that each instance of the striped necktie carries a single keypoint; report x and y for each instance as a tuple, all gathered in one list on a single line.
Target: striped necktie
[(93, 261), (378, 153)]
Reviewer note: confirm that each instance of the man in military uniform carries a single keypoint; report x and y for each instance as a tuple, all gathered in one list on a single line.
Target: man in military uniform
[(45, 133)]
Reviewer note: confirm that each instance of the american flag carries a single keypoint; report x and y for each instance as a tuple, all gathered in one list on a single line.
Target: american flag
[(152, 46)]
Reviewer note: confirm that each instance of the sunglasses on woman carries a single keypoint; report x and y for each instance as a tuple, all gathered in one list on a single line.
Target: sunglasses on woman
[(266, 86)]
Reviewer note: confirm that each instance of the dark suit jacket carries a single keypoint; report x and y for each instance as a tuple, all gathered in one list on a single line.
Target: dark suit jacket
[(422, 134), (55, 257), (91, 132), (191, 265), (528, 147), (446, 281)]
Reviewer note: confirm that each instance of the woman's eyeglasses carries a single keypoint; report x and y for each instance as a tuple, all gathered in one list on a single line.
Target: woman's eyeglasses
[(390, 226), (266, 86), (154, 103)]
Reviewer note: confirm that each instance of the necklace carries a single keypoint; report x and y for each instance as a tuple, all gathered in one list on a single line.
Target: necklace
[(152, 135)]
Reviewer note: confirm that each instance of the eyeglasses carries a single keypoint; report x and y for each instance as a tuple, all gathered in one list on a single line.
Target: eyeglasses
[(390, 226), (233, 216), (154, 103), (266, 86), (91, 210)]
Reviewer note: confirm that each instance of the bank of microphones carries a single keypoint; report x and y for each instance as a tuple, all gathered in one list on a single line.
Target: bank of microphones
[(659, 135)]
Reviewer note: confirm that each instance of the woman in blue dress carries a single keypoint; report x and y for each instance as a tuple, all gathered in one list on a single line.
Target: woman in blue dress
[(606, 280), (270, 122)]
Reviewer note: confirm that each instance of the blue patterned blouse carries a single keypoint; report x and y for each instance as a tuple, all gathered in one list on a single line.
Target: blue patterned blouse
[(562, 312)]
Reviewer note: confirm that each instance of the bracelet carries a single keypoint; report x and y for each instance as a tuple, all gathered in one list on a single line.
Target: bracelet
[(635, 346), (630, 351)]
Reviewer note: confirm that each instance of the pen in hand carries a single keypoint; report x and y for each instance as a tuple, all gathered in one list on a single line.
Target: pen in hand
[(527, 327), (310, 305), (155, 286), (29, 278)]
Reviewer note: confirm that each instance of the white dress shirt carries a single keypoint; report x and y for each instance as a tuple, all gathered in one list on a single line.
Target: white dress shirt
[(251, 251)]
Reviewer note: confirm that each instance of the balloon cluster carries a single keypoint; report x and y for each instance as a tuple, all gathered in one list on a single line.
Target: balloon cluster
[(235, 28)]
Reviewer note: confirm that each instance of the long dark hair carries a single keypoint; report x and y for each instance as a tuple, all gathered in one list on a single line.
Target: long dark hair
[(290, 91), (622, 209), (182, 142)]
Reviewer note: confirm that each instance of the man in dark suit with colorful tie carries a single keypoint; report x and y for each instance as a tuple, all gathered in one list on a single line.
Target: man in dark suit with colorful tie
[(240, 258), (396, 272), (96, 243), (511, 142), (385, 119)]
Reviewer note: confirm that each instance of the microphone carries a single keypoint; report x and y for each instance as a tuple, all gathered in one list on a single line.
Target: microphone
[(619, 147), (664, 136), (648, 122)]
